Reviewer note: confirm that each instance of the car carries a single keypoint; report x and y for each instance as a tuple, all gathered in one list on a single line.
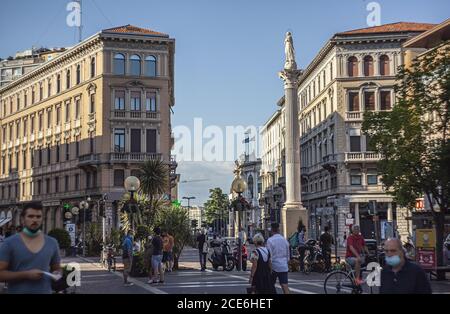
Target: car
[(447, 249)]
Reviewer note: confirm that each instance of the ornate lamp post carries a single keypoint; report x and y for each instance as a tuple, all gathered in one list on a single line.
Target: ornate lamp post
[(239, 186), (132, 185)]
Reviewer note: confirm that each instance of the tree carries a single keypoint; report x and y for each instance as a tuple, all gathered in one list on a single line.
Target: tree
[(216, 208), (154, 179), (175, 220), (62, 236), (413, 138)]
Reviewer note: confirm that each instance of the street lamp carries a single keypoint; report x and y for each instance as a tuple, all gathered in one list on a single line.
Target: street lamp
[(84, 205), (132, 185), (239, 186)]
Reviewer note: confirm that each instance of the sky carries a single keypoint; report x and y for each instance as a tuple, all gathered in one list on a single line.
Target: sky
[(228, 52)]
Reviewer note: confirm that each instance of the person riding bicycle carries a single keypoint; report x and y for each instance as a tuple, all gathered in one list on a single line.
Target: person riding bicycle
[(356, 247)]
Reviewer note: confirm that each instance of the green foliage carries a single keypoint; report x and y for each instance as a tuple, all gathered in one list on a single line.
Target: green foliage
[(142, 232), (94, 239), (154, 178), (217, 205), (62, 236)]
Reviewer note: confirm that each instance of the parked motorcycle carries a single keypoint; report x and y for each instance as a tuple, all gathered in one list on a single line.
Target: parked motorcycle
[(244, 257), (221, 255)]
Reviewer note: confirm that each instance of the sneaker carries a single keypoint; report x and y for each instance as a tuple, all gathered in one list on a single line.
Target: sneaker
[(129, 284)]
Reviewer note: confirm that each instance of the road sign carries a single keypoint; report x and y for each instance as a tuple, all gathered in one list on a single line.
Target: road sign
[(426, 257), (349, 221), (71, 230), (426, 238)]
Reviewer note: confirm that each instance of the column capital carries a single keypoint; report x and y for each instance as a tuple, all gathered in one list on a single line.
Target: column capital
[(290, 77)]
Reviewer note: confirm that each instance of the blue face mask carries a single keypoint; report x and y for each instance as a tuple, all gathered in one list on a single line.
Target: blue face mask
[(393, 260)]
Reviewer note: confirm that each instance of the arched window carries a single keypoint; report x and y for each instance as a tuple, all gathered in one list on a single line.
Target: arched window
[(68, 79), (384, 65), (119, 64), (150, 66), (92, 67), (135, 65), (368, 66), (78, 74), (352, 66)]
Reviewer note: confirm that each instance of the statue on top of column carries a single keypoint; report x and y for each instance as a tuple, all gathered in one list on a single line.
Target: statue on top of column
[(290, 63)]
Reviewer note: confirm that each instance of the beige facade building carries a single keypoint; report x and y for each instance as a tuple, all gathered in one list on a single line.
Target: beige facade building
[(86, 119)]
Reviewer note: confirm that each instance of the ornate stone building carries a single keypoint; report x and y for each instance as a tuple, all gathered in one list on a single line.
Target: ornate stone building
[(82, 122)]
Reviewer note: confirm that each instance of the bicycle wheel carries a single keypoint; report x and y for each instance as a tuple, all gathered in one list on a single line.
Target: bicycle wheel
[(338, 282)]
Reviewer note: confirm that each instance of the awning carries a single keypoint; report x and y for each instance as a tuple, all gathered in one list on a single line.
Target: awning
[(4, 221)]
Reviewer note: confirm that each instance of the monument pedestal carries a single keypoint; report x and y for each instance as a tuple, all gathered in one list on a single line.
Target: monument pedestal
[(291, 214)]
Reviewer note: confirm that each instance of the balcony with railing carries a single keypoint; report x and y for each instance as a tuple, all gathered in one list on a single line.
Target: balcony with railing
[(17, 142), (3, 146), (89, 159), (120, 114), (49, 132), (134, 157), (58, 129), (10, 144), (24, 140), (361, 156), (355, 116)]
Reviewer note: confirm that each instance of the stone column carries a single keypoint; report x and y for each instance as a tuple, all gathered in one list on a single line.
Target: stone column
[(293, 209), (357, 214)]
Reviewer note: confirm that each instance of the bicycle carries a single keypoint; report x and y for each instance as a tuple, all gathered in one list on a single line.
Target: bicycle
[(342, 280), (108, 260)]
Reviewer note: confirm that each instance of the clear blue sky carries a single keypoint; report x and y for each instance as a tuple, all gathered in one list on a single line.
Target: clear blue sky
[(228, 52)]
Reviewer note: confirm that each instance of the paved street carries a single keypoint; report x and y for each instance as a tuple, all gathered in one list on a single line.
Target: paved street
[(189, 280)]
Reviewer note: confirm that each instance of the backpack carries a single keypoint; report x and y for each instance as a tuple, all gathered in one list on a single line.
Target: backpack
[(293, 239)]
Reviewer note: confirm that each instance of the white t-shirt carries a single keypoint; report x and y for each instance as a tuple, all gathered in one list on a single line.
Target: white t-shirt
[(279, 251)]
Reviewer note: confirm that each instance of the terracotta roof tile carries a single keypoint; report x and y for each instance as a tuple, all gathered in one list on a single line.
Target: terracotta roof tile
[(130, 29), (391, 28)]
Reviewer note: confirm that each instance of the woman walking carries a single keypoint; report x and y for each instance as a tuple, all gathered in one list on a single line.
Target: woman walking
[(261, 272)]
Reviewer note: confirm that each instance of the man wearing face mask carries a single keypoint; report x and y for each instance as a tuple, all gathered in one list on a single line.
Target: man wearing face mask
[(401, 276), (26, 256)]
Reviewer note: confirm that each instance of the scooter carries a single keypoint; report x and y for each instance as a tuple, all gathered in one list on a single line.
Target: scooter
[(222, 256)]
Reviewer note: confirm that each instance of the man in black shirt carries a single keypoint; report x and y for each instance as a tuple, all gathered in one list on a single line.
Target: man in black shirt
[(157, 257), (326, 240), (401, 276), (202, 249)]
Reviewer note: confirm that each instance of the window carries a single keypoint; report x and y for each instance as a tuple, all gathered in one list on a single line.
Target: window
[(58, 83), (58, 115), (355, 143), (32, 157), (150, 66), (40, 157), (67, 151), (372, 178), (135, 101), (10, 132), (88, 180), (39, 187), (91, 145), (32, 97), (18, 130), (331, 70), (32, 125), (135, 65), (151, 141), (369, 101), (68, 79), (353, 101), (135, 140), (352, 66), (47, 184), (94, 179), (66, 183), (78, 74), (92, 67), (119, 64), (119, 140), (385, 100), (68, 112), (56, 184), (25, 101), (49, 88), (41, 92), (150, 102), (355, 177), (58, 151), (40, 122), (92, 104), (18, 102), (119, 100), (370, 147), (49, 118), (384, 65), (77, 148), (77, 109), (25, 128), (119, 177), (368, 66), (49, 155), (77, 181)]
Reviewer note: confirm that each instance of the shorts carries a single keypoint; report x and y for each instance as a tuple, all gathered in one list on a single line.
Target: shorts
[(126, 265), (282, 277), (167, 257), (156, 261), (352, 260)]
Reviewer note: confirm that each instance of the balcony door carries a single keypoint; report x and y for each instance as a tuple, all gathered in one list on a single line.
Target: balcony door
[(135, 140)]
